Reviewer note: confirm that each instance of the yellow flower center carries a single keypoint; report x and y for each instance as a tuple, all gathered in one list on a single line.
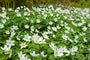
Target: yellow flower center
[(73, 48), (10, 42), (56, 52), (4, 15), (7, 32), (75, 40), (5, 48), (27, 38), (52, 46), (65, 26), (20, 55), (44, 35), (84, 29), (9, 51), (18, 14), (12, 32), (37, 40), (0, 26), (42, 41), (23, 45), (63, 49), (64, 36), (11, 28)]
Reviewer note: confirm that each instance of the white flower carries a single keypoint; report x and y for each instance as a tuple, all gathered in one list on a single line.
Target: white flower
[(84, 28), (74, 49), (25, 58), (61, 21), (50, 23), (23, 45), (36, 30), (74, 24), (38, 21), (3, 8), (55, 19), (42, 53), (6, 47), (76, 36), (32, 28), (12, 29), (80, 24), (54, 29), (31, 21), (15, 27), (82, 45), (25, 13), (58, 27), (85, 40), (22, 7), (51, 14), (13, 33), (72, 30), (76, 40), (9, 52), (89, 49), (38, 9), (20, 55), (35, 36), (1, 25), (70, 40), (62, 24), (53, 35), (27, 18), (68, 28), (10, 42), (83, 21), (33, 54), (18, 38), (73, 53), (38, 40), (7, 32), (82, 34), (22, 58), (57, 15), (26, 26), (43, 41), (3, 15), (7, 18), (27, 37), (66, 31), (10, 9), (16, 10), (57, 52), (64, 37), (4, 21), (45, 15), (68, 53), (63, 49), (18, 14), (65, 17), (88, 25), (52, 45), (50, 6), (45, 36)]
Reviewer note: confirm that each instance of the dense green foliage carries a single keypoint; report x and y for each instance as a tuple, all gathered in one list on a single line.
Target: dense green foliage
[(52, 33)]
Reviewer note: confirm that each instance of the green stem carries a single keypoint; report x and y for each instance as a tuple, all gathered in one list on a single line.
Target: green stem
[(13, 4)]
